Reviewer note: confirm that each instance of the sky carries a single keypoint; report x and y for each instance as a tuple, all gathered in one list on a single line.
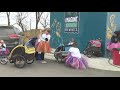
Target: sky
[(31, 17)]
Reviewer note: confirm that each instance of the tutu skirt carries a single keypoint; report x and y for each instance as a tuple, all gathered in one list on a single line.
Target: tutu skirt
[(43, 46), (77, 63)]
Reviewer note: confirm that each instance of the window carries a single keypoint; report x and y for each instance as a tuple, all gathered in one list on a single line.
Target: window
[(4, 31)]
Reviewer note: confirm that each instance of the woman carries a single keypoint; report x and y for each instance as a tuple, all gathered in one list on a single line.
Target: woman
[(74, 58), (43, 45)]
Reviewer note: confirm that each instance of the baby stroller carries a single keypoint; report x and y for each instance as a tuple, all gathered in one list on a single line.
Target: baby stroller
[(93, 48), (22, 54), (61, 52)]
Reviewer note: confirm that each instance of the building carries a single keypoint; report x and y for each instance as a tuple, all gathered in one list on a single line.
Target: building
[(83, 26)]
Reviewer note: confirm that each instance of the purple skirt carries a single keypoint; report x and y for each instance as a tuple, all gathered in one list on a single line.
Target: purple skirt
[(77, 63), (6, 52)]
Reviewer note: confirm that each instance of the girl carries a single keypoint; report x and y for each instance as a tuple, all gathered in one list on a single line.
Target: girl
[(38, 55), (74, 58), (3, 48), (71, 41), (43, 45)]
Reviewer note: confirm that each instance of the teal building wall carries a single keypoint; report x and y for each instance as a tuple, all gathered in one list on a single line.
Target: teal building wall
[(91, 25)]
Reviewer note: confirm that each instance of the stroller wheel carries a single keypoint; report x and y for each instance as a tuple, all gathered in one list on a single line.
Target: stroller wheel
[(4, 61), (20, 61), (55, 55), (30, 61), (58, 57), (89, 55)]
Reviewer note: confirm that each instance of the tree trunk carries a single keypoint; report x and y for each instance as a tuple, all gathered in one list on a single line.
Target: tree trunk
[(36, 20), (8, 17)]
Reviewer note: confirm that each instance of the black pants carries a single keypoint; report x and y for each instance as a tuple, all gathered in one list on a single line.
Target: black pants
[(39, 56)]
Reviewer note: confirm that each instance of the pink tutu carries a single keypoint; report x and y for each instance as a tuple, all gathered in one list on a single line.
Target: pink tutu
[(77, 63), (110, 46)]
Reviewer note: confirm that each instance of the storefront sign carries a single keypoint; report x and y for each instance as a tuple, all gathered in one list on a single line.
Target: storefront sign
[(71, 22)]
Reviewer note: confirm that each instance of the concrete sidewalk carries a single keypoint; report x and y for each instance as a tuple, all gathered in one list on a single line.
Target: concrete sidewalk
[(96, 62)]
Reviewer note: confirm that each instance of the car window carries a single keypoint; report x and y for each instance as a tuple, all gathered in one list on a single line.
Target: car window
[(17, 31), (6, 31)]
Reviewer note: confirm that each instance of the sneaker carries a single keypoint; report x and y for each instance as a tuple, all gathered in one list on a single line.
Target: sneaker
[(43, 62)]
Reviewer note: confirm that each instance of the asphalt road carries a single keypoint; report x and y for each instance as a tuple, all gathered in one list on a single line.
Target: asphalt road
[(52, 69)]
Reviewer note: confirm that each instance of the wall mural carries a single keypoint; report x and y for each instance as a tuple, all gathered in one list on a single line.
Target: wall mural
[(111, 27), (56, 30)]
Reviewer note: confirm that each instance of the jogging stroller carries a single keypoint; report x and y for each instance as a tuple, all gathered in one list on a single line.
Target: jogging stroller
[(61, 52), (93, 48), (22, 54)]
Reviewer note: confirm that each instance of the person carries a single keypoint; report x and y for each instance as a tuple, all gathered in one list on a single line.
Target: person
[(44, 45), (114, 38), (66, 47), (71, 41), (3, 47), (38, 54), (75, 59), (118, 37)]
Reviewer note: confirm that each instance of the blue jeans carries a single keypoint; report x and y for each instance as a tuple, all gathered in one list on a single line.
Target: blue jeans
[(37, 56)]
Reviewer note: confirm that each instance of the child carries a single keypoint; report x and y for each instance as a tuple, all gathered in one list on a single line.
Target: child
[(2, 45), (71, 41), (43, 46), (74, 58), (37, 44), (3, 48)]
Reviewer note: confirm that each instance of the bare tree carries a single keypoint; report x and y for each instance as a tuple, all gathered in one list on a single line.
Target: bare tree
[(19, 19), (44, 21), (38, 16), (8, 17)]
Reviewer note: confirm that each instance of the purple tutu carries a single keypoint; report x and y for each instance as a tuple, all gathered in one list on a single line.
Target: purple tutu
[(6, 52), (77, 63)]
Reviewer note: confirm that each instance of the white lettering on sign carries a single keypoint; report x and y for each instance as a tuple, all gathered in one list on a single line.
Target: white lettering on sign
[(71, 19)]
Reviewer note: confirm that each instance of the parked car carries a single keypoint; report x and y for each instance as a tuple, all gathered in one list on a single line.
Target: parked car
[(10, 35)]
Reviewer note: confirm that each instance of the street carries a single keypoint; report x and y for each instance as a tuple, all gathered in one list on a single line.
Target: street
[(52, 69)]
